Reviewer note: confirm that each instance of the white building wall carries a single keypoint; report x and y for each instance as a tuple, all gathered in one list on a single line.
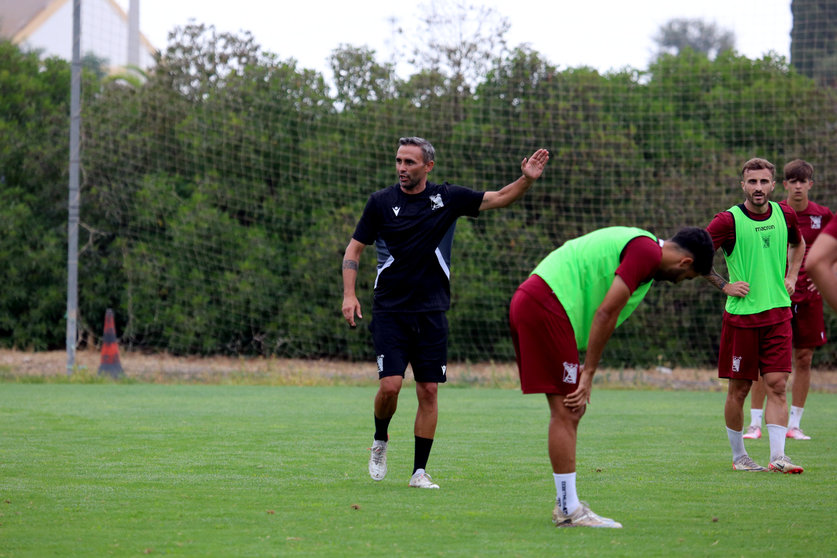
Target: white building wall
[(104, 32)]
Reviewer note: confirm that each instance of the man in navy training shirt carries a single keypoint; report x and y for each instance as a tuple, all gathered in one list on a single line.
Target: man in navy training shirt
[(411, 224)]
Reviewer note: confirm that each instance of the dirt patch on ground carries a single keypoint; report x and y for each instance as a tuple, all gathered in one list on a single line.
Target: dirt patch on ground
[(162, 368)]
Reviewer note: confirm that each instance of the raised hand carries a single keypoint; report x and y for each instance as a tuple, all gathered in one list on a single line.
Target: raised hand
[(532, 167)]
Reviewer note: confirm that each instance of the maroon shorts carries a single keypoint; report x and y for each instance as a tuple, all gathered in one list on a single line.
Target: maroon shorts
[(747, 350), (808, 324), (544, 341)]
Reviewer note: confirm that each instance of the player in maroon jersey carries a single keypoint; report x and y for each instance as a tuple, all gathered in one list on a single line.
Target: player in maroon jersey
[(806, 303)]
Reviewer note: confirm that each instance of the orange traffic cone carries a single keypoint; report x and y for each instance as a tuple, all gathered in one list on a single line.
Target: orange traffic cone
[(110, 350)]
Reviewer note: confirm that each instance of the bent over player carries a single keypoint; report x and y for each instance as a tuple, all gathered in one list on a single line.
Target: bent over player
[(572, 301)]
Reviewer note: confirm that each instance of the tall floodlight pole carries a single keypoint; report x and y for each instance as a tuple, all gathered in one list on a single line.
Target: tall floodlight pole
[(74, 197)]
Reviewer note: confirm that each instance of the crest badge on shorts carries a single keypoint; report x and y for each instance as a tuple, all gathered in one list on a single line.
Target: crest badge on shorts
[(570, 373)]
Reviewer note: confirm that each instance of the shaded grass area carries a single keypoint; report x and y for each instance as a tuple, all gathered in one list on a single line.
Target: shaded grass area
[(195, 470)]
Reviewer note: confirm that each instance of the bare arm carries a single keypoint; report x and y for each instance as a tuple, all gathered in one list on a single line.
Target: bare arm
[(604, 322), (738, 288), (532, 169), (796, 252), (351, 305), (821, 267)]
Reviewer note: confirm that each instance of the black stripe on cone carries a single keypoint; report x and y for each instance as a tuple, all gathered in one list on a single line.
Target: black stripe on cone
[(110, 349)]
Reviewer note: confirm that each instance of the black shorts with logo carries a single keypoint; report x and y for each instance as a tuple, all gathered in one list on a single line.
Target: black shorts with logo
[(417, 338)]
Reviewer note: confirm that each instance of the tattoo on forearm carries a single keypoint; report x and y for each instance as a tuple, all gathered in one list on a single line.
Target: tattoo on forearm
[(717, 280), (350, 264)]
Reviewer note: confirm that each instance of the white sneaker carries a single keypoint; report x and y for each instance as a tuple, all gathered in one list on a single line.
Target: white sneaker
[(746, 463), (420, 479), (797, 434), (378, 460), (753, 433), (583, 516), (783, 464)]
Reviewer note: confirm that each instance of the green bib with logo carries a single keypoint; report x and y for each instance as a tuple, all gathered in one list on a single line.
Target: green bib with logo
[(759, 257), (581, 272)]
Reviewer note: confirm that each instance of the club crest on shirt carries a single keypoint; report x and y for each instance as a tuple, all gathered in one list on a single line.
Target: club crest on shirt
[(436, 202), (570, 373), (816, 221), (736, 364)]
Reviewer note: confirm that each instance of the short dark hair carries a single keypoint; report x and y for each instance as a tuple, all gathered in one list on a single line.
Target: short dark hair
[(697, 242), (756, 163), (799, 170), (427, 150)]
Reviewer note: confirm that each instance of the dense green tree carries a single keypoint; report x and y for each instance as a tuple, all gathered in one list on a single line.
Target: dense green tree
[(186, 239), (459, 42), (359, 78), (814, 39), (34, 151), (220, 190), (701, 36)]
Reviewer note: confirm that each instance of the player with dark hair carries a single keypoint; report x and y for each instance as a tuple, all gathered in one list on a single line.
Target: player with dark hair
[(572, 301), (412, 224), (807, 323), (763, 248)]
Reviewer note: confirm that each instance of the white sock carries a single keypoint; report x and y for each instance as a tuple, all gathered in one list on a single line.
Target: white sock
[(755, 417), (777, 435), (736, 442), (566, 497), (795, 417)]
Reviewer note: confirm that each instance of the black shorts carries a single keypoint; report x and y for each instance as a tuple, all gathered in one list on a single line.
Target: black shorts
[(420, 339)]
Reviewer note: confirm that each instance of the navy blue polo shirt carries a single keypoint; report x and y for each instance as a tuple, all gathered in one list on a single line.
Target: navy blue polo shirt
[(413, 235)]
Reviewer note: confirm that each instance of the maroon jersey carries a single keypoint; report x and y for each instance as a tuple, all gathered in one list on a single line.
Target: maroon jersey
[(722, 231), (811, 220), (640, 260), (831, 229)]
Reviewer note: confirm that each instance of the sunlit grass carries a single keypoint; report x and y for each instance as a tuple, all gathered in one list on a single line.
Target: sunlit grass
[(206, 470)]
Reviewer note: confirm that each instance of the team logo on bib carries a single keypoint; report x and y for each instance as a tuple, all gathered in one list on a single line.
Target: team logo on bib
[(570, 373), (816, 221), (436, 202), (736, 364)]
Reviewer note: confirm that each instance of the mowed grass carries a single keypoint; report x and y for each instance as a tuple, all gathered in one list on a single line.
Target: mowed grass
[(197, 470)]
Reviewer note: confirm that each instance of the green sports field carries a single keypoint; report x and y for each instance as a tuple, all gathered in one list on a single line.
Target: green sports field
[(199, 470)]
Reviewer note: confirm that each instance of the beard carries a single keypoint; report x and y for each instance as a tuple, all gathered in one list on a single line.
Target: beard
[(410, 184), (760, 202)]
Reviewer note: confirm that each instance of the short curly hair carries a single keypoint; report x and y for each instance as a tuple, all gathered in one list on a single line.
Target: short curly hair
[(698, 243), (757, 163)]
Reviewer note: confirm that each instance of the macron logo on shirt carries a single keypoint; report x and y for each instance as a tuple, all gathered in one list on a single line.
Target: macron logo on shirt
[(396, 210)]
